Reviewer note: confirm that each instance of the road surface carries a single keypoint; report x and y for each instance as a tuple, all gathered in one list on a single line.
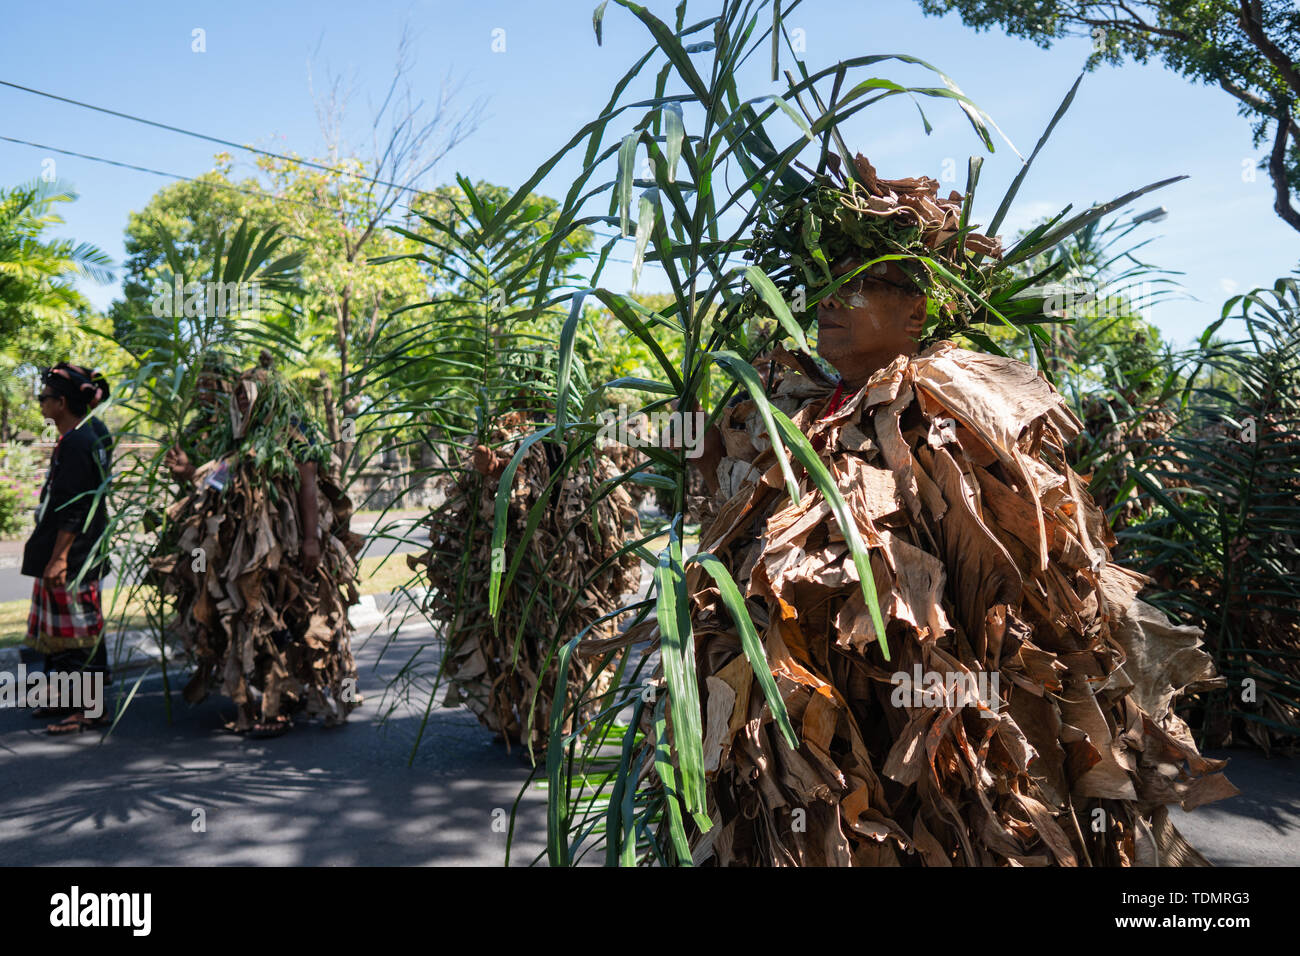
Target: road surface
[(314, 797)]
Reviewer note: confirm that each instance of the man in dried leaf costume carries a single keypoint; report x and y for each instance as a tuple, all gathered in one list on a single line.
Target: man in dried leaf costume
[(1025, 713), (259, 555), (505, 675)]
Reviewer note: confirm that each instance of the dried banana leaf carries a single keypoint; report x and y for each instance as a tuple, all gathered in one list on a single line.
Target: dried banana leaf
[(258, 628), (505, 670), (993, 567)]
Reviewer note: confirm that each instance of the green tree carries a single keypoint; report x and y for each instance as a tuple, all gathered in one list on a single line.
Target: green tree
[(335, 209), (40, 307), (1249, 48), (189, 215), (1222, 543), (38, 272), (1106, 359), (340, 221)]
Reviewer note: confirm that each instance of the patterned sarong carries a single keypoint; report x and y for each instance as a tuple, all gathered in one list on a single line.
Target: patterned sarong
[(64, 620)]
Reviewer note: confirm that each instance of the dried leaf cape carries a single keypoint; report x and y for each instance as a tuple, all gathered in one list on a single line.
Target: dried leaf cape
[(993, 569), (259, 630), (1025, 716), (570, 576)]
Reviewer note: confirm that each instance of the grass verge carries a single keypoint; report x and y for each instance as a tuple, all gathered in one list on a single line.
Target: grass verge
[(380, 574)]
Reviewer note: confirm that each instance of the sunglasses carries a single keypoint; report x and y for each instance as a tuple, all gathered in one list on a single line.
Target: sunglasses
[(838, 298), (45, 397)]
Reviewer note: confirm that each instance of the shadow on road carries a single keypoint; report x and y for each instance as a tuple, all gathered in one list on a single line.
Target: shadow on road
[(314, 797), (346, 796)]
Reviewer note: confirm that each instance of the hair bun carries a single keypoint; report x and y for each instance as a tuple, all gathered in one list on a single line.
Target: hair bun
[(76, 381)]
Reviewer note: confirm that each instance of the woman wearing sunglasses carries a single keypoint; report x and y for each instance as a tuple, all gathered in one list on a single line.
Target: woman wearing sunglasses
[(66, 553)]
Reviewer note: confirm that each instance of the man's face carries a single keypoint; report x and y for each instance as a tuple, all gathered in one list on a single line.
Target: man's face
[(210, 392), (872, 315)]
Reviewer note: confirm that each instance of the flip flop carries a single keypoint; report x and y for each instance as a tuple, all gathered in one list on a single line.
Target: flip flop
[(273, 728), (76, 724)]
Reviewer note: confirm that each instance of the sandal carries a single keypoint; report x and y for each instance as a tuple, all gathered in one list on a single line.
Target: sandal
[(270, 728), (75, 724)]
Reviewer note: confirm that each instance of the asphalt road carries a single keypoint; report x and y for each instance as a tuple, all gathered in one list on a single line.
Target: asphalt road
[(347, 797), (314, 797), (1258, 827)]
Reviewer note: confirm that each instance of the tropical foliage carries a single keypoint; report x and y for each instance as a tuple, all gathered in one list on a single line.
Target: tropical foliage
[(478, 324), (631, 784), (1223, 537), (40, 305)]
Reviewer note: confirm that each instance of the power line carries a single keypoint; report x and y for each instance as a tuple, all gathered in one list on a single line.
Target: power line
[(231, 188), (220, 142), (191, 179), (210, 139), (188, 179)]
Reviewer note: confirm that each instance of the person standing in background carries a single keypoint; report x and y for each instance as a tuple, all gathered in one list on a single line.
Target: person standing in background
[(265, 615), (64, 552)]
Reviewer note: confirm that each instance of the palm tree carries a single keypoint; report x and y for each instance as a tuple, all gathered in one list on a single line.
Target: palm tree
[(1223, 539), (36, 271), (39, 301)]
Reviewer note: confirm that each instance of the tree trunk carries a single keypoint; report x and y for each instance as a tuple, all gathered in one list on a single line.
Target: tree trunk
[(327, 396)]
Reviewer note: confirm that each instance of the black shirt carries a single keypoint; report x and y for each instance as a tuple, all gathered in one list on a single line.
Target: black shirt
[(79, 467)]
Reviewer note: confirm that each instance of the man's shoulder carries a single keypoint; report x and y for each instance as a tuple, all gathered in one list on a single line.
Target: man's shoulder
[(949, 359), (90, 439), (85, 436), (990, 385)]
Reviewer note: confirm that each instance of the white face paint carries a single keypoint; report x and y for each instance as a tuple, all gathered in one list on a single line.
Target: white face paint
[(859, 301), (238, 420)]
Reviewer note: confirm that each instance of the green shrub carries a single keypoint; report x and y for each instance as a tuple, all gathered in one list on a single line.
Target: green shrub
[(12, 511), (20, 482)]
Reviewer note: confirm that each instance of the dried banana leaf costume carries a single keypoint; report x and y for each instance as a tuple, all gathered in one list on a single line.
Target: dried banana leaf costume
[(1054, 743), (260, 631), (497, 675)]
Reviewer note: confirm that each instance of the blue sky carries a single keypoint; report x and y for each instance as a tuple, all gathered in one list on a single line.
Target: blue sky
[(1129, 126)]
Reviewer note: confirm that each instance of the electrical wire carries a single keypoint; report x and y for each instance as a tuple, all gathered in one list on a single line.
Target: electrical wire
[(178, 176), (207, 138)]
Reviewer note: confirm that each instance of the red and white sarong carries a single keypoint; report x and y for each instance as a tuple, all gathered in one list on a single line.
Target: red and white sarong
[(63, 619)]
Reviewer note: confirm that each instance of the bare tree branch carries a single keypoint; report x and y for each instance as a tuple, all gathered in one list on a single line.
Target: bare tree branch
[(1257, 103), (1277, 168), (406, 143), (1136, 24)]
